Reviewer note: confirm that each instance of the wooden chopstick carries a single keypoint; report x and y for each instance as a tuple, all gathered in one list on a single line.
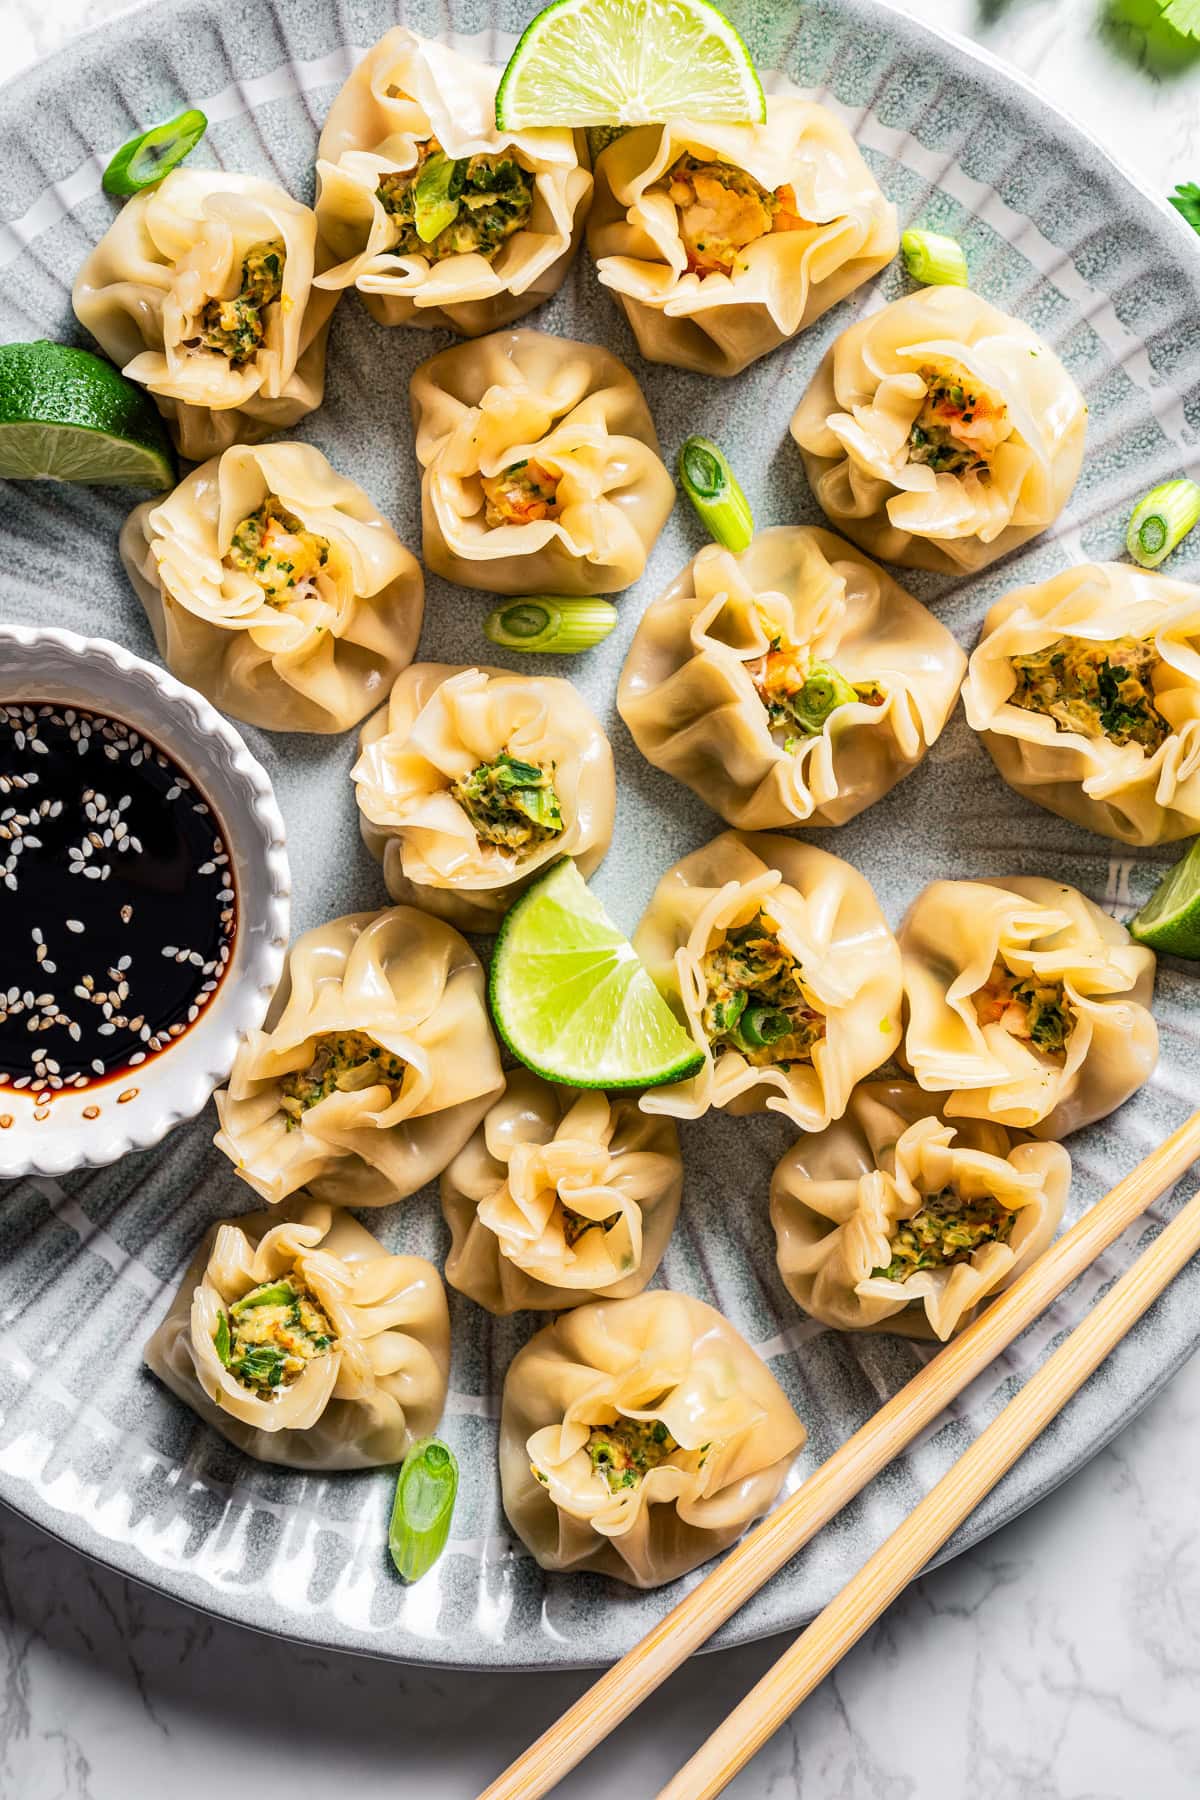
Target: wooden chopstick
[(759, 1555), (833, 1632)]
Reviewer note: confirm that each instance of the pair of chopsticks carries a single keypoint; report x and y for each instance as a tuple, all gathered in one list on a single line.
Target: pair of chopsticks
[(764, 1551)]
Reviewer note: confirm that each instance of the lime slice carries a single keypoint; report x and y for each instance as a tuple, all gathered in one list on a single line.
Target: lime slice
[(66, 415), (152, 154), (572, 998), (629, 62), (1170, 919)]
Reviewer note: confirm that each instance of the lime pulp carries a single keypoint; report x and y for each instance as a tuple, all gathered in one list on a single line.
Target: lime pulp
[(66, 415), (1170, 919)]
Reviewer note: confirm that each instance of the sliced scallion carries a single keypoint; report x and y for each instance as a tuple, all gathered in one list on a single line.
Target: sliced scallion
[(823, 692), (549, 626), (277, 1293), (716, 493), (934, 260), (423, 1508), (1161, 521), (221, 1342), (146, 158)]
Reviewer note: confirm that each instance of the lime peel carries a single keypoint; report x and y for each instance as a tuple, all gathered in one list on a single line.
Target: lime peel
[(66, 415), (1170, 919)]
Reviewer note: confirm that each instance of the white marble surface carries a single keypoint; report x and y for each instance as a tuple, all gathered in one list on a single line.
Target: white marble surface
[(1064, 1654)]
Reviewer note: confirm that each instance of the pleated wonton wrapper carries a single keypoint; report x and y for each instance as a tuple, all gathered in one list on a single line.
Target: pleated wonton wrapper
[(560, 1196), (508, 242), (541, 466), (376, 1064), (657, 1434), (274, 586), (1086, 691), (892, 1219), (201, 289), (722, 241), (777, 959), (471, 780), (1027, 1004), (940, 433), (373, 1333), (793, 684)]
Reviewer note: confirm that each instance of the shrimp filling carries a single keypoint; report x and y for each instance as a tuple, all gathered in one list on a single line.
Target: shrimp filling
[(960, 426), (1028, 1007), (273, 546), (755, 998), (948, 1229), (1100, 690), (799, 695), (511, 803), (521, 493), (234, 328), (456, 206), (271, 1334), (722, 209), (343, 1062), (625, 1451)]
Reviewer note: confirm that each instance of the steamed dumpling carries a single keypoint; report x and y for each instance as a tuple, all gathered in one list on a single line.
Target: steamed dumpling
[(541, 466), (722, 241), (201, 289), (1027, 1004), (376, 1064), (435, 216), (793, 684), (560, 1196), (640, 1437), (777, 959), (1086, 691), (471, 780), (940, 433), (892, 1219), (274, 586), (298, 1338)]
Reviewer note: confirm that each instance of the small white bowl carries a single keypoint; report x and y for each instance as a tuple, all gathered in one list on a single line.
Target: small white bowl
[(102, 677)]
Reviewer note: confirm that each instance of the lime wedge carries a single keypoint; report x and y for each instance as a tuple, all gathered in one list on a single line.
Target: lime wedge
[(629, 62), (1170, 919), (571, 997), (66, 415)]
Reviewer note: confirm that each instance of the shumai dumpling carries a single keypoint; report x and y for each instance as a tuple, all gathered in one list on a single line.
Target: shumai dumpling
[(640, 1437), (722, 241), (1027, 1005), (376, 1064), (560, 1196), (435, 216), (1086, 691), (274, 586), (776, 958), (891, 1219), (303, 1342), (201, 289), (940, 433), (794, 684), (471, 780), (541, 466)]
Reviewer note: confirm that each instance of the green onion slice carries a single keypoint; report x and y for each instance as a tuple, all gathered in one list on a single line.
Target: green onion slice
[(221, 1339), (934, 260), (423, 1508), (715, 492), (823, 692), (1161, 521), (550, 626), (763, 1025), (146, 158), (280, 1293)]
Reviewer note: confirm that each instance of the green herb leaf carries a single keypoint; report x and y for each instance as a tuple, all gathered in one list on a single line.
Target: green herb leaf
[(1186, 200), (221, 1339), (423, 1508), (435, 196), (274, 1293)]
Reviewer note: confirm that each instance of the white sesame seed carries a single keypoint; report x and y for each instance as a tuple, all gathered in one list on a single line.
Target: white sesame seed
[(97, 1066), (123, 962), (77, 926), (36, 935)]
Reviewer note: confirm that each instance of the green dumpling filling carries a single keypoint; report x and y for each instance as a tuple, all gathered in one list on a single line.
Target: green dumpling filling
[(234, 328), (947, 1230), (456, 206), (576, 1225), (273, 546), (1101, 690), (960, 426), (342, 1062), (756, 1002), (511, 803), (269, 1336), (628, 1449), (1027, 1006), (799, 695)]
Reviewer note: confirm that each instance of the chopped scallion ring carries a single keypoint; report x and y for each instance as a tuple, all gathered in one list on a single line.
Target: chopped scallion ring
[(1161, 521), (146, 158), (548, 626), (934, 260), (715, 492), (423, 1508)]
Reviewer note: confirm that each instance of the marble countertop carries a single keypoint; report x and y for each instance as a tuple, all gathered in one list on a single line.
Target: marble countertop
[(1065, 1651)]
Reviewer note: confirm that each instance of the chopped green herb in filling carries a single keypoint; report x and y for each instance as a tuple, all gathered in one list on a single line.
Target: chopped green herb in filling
[(756, 1001), (800, 695), (273, 546), (1027, 1007), (523, 492), (343, 1062), (511, 803), (948, 1229), (1101, 690), (960, 425), (456, 206), (235, 327), (626, 1450), (576, 1226), (271, 1335)]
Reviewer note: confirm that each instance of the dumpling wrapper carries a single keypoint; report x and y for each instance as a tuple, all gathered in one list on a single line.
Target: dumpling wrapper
[(542, 1147), (853, 424), (829, 920), (326, 659), (1118, 790), (479, 408), (838, 1196), (414, 986), (170, 250), (660, 1356), (780, 283), (688, 698), (440, 723), (951, 938), (379, 1389)]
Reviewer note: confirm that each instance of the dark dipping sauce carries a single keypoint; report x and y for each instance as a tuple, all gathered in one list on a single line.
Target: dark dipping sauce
[(117, 904)]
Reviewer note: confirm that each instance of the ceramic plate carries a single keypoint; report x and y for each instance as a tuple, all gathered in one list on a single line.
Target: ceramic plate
[(91, 1447)]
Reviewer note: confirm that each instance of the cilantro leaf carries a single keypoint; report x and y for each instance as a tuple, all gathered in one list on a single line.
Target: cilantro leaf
[(1186, 200)]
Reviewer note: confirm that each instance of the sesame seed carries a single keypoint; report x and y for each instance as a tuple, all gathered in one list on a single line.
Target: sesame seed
[(129, 1094), (91, 1112)]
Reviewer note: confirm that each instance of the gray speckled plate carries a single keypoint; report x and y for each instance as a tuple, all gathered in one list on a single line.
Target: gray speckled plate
[(90, 1446)]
